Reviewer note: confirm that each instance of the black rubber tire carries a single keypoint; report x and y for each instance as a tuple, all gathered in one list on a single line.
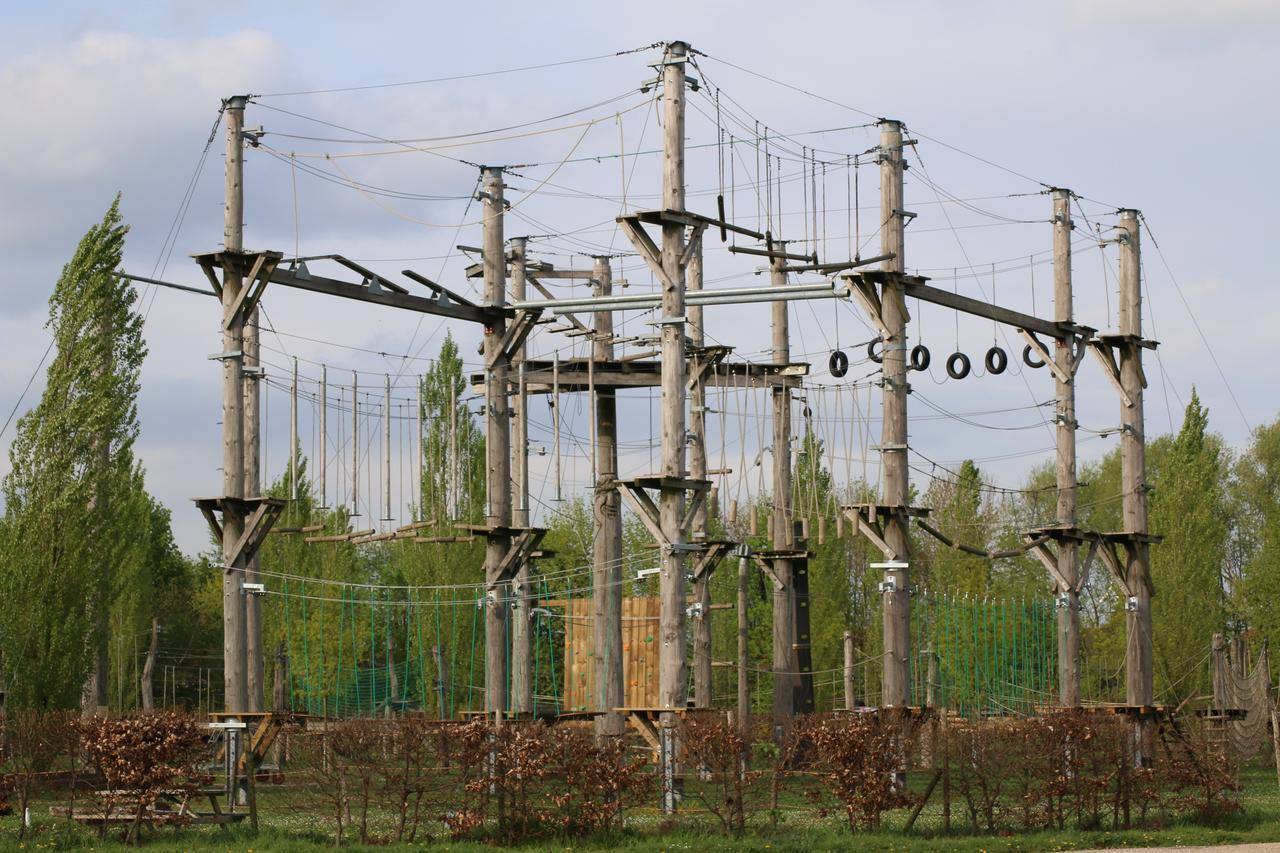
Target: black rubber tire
[(838, 364), (877, 357), (1030, 360), (997, 360), (920, 357), (958, 372)]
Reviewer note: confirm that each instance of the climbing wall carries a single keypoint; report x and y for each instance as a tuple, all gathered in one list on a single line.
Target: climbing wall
[(639, 654)]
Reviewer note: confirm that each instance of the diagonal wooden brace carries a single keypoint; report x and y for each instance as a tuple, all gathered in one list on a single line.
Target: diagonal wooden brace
[(709, 559), (517, 555), (870, 528), (1111, 559), (514, 337), (256, 527), (867, 296), (1043, 352), (697, 502), (767, 567), (1107, 358), (645, 509), (646, 247), (1050, 561), (694, 245), (212, 519), (241, 309)]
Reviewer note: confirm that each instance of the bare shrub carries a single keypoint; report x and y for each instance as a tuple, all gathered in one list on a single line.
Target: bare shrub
[(859, 757), (36, 742), (1201, 779), (728, 788), (140, 759), (537, 781)]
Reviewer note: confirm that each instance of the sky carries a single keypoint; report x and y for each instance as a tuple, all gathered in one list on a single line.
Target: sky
[(1160, 106)]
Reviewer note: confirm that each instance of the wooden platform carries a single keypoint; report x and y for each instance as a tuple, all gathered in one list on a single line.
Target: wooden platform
[(542, 377)]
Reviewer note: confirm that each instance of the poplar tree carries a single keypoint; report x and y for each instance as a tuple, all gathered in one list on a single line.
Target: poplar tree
[(1188, 510), (72, 482)]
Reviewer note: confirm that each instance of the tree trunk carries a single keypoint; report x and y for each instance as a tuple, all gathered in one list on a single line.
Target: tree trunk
[(149, 668)]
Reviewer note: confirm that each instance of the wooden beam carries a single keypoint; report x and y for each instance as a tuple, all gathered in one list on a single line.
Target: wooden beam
[(915, 287), (361, 293)]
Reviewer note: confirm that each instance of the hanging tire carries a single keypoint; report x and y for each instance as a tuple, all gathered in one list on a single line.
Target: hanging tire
[(958, 365), (873, 354), (997, 360), (920, 357), (1030, 360), (838, 364)]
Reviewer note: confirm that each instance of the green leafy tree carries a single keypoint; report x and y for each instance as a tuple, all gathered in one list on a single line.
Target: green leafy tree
[(1188, 510), (1255, 502), (73, 485)]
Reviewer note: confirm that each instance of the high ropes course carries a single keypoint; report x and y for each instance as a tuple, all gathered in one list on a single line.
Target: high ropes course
[(676, 382)]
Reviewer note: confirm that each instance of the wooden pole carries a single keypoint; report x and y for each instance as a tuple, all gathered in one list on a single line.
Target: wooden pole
[(1133, 473), (386, 447), (782, 532), (497, 445), (1068, 548), (521, 619), (606, 547), (744, 652), (234, 636), (420, 451), (355, 443), (896, 673), (672, 666), (324, 436), (850, 697), (698, 471), (256, 669), (293, 434)]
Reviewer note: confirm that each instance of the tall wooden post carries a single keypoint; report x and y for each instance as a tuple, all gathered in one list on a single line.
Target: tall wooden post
[(606, 547), (896, 673), (744, 652), (785, 668), (497, 444), (234, 637), (386, 447), (1068, 548), (672, 666), (355, 443), (698, 471), (324, 436), (521, 616), (293, 434), (850, 695), (1133, 468), (252, 373)]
